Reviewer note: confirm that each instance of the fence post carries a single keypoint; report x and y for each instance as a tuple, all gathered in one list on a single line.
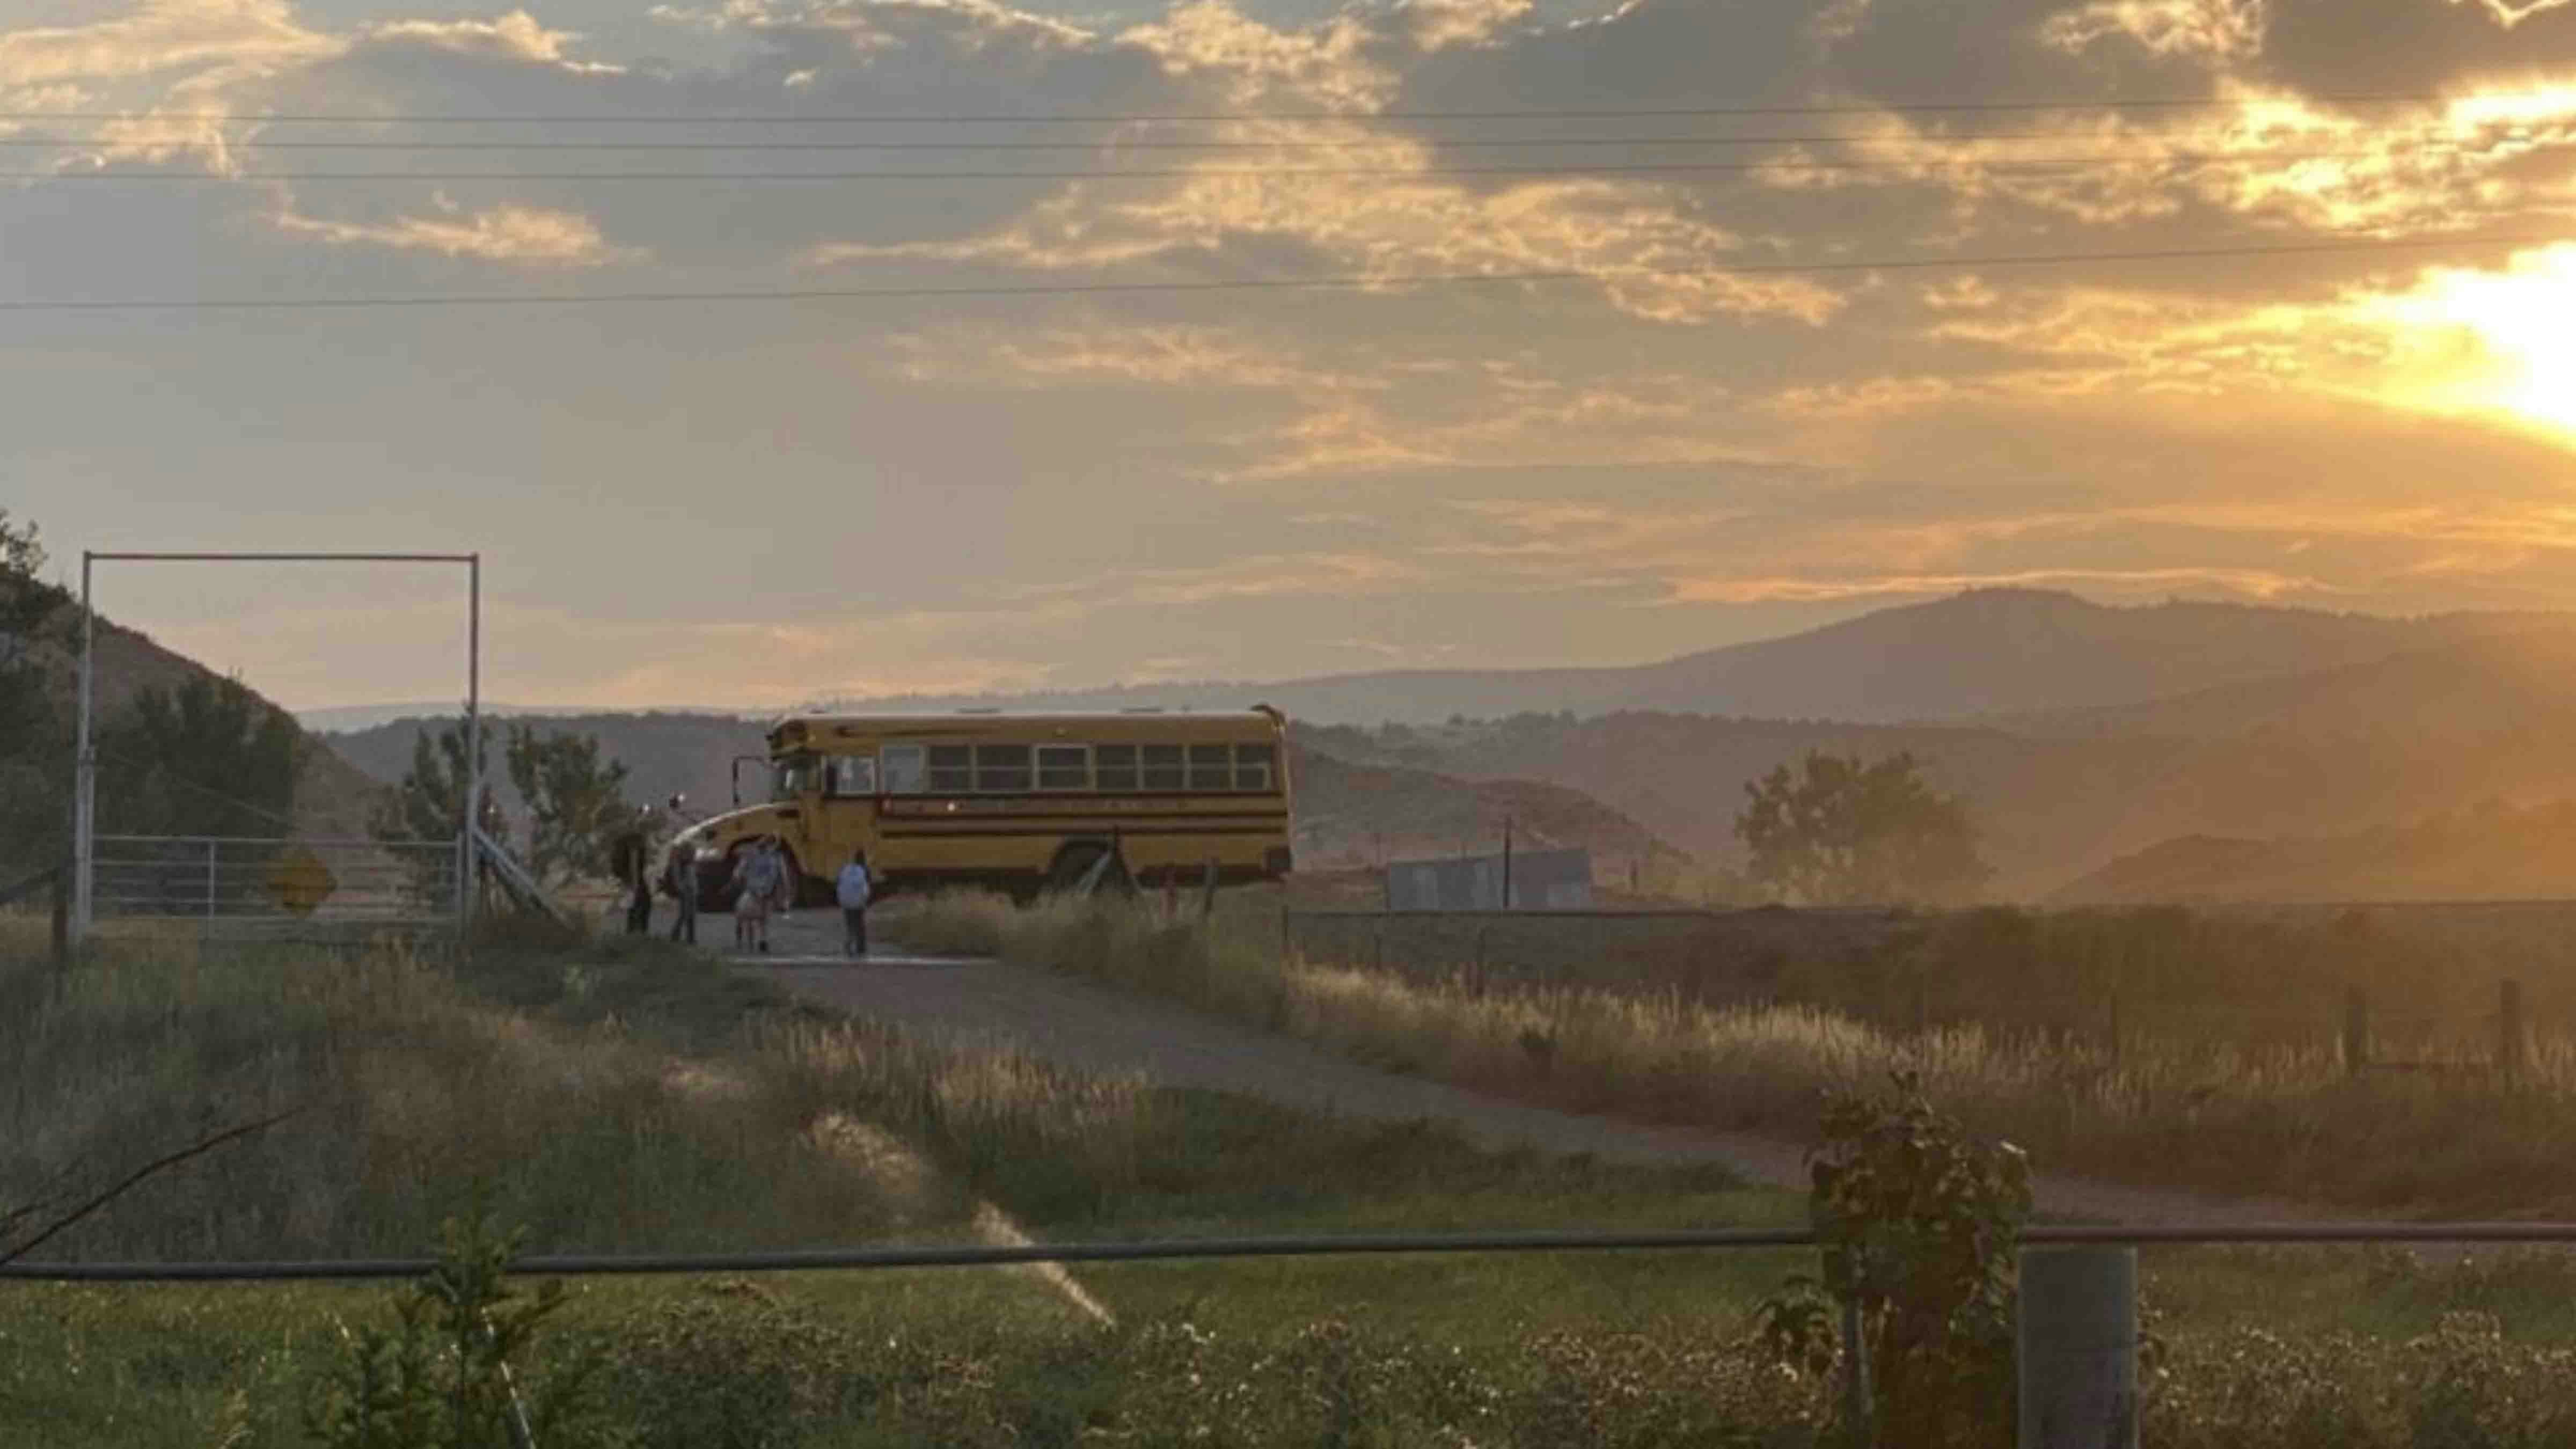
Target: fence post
[(1172, 893), (210, 879), (2509, 1036), (62, 922), (2076, 1348), (2356, 1031), (1478, 971), (1859, 1429), (1207, 897)]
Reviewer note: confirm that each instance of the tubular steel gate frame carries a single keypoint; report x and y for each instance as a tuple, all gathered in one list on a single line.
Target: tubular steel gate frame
[(85, 756)]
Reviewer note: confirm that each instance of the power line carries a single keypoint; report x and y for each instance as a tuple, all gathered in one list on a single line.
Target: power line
[(1987, 107), (1282, 284), (2017, 165), (2431, 136)]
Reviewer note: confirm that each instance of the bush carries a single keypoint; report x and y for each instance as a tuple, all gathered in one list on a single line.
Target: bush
[(454, 1371), (1916, 1224)]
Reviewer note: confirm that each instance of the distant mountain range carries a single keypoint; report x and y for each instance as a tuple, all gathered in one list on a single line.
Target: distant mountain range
[(1987, 652), (2084, 737)]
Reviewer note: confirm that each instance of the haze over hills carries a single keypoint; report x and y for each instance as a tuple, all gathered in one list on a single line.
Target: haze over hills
[(2080, 734), (1983, 653)]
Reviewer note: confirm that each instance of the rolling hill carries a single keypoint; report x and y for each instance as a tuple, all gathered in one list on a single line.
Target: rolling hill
[(332, 797)]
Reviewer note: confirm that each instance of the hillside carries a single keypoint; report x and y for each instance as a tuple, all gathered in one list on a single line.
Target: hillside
[(1976, 654), (2471, 688), (2050, 810), (1347, 813), (332, 797), (2491, 853)]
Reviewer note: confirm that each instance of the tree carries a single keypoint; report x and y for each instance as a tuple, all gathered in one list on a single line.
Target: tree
[(576, 802), (207, 758), (1837, 831), (35, 743), (425, 805)]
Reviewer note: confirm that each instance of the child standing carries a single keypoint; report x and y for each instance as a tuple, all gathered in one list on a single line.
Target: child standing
[(853, 889)]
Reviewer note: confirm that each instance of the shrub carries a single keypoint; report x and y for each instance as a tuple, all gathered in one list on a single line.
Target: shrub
[(452, 1372), (1916, 1225)]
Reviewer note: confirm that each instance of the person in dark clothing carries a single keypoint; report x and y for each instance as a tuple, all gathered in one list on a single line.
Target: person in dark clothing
[(680, 878), (852, 890), (628, 860)]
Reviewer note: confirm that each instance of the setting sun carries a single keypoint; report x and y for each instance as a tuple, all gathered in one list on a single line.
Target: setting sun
[(2499, 342)]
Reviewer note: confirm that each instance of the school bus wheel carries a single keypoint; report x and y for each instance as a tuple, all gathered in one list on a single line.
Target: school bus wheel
[(1075, 860)]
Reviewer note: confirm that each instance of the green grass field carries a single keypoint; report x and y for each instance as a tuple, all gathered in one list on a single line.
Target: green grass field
[(617, 1097)]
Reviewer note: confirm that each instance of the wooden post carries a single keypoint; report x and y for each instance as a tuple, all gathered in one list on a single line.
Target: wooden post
[(62, 922), (1207, 897), (1507, 862), (1171, 894), (2076, 1348), (2356, 1031), (2509, 1033), (1859, 1429), (1477, 976)]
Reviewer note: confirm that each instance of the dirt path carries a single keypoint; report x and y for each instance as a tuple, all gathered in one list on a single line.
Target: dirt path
[(1079, 1024)]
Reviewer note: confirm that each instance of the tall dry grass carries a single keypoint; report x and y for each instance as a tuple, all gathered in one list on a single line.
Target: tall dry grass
[(409, 1088), (2273, 1118)]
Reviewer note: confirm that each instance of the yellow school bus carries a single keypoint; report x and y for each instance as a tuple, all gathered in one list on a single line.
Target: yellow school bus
[(1020, 803)]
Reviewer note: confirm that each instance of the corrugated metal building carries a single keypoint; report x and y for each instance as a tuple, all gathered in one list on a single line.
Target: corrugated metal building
[(1554, 880)]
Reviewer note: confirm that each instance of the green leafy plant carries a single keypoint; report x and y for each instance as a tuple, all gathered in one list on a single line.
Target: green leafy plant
[(1917, 1222), (448, 1374)]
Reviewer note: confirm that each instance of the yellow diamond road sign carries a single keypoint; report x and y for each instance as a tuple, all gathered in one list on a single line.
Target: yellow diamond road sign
[(301, 881)]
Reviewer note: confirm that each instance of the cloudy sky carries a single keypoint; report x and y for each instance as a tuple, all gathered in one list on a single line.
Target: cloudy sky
[(1656, 327)]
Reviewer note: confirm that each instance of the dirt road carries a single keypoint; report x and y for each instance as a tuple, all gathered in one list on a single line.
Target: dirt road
[(1079, 1024)]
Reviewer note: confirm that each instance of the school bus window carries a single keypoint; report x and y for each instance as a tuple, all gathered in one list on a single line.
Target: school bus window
[(1211, 767), (1253, 766), (1064, 767), (1115, 765), (952, 769), (904, 771), (854, 775), (1001, 767), (1162, 767)]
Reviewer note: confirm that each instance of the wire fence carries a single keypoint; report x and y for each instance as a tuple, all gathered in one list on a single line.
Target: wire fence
[(980, 1255), (242, 882)]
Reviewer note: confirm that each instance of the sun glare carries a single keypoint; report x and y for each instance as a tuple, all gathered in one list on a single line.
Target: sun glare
[(2493, 342)]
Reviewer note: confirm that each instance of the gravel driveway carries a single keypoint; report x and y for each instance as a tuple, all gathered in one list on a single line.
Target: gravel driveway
[(1091, 1027)]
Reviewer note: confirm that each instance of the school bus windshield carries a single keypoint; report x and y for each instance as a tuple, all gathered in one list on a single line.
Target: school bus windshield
[(792, 776)]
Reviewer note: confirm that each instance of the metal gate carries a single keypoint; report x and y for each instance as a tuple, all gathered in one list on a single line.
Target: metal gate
[(275, 886)]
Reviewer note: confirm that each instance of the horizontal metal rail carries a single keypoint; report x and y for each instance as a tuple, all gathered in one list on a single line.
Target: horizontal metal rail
[(1524, 913), (985, 1256)]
